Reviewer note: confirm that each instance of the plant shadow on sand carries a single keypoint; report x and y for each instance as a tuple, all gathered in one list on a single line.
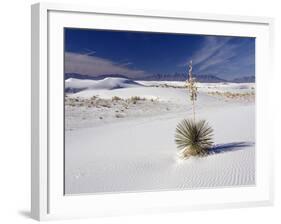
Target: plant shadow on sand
[(229, 147)]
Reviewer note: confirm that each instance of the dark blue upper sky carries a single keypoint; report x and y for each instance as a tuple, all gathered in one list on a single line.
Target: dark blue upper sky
[(136, 54)]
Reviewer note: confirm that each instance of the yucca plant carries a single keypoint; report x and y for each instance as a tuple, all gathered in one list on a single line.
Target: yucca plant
[(193, 138)]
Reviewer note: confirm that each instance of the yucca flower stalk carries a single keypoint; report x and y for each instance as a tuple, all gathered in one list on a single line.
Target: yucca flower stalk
[(192, 88)]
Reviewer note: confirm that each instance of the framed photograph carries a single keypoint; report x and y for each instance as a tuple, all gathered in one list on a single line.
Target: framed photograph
[(148, 111)]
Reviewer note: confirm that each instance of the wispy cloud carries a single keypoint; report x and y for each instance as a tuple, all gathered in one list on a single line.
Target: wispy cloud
[(209, 48), (224, 57), (88, 64)]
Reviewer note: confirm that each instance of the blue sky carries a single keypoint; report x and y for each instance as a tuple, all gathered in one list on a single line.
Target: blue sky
[(137, 54)]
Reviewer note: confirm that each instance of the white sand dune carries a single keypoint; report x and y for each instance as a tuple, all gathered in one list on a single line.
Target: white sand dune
[(106, 83), (138, 153)]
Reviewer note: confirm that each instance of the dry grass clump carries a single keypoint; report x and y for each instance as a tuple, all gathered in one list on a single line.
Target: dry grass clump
[(234, 96), (115, 98), (168, 86), (135, 99), (119, 115), (97, 102), (94, 101)]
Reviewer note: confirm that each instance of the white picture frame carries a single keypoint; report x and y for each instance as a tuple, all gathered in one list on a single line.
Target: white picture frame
[(47, 198)]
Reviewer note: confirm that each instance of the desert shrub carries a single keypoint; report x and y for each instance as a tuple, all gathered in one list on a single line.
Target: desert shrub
[(115, 98), (119, 115), (193, 138), (136, 98), (93, 98)]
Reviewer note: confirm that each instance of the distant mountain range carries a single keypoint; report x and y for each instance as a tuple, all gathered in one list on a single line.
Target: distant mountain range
[(165, 77), (245, 79)]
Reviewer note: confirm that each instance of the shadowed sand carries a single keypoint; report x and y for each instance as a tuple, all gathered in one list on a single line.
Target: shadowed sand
[(229, 147)]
